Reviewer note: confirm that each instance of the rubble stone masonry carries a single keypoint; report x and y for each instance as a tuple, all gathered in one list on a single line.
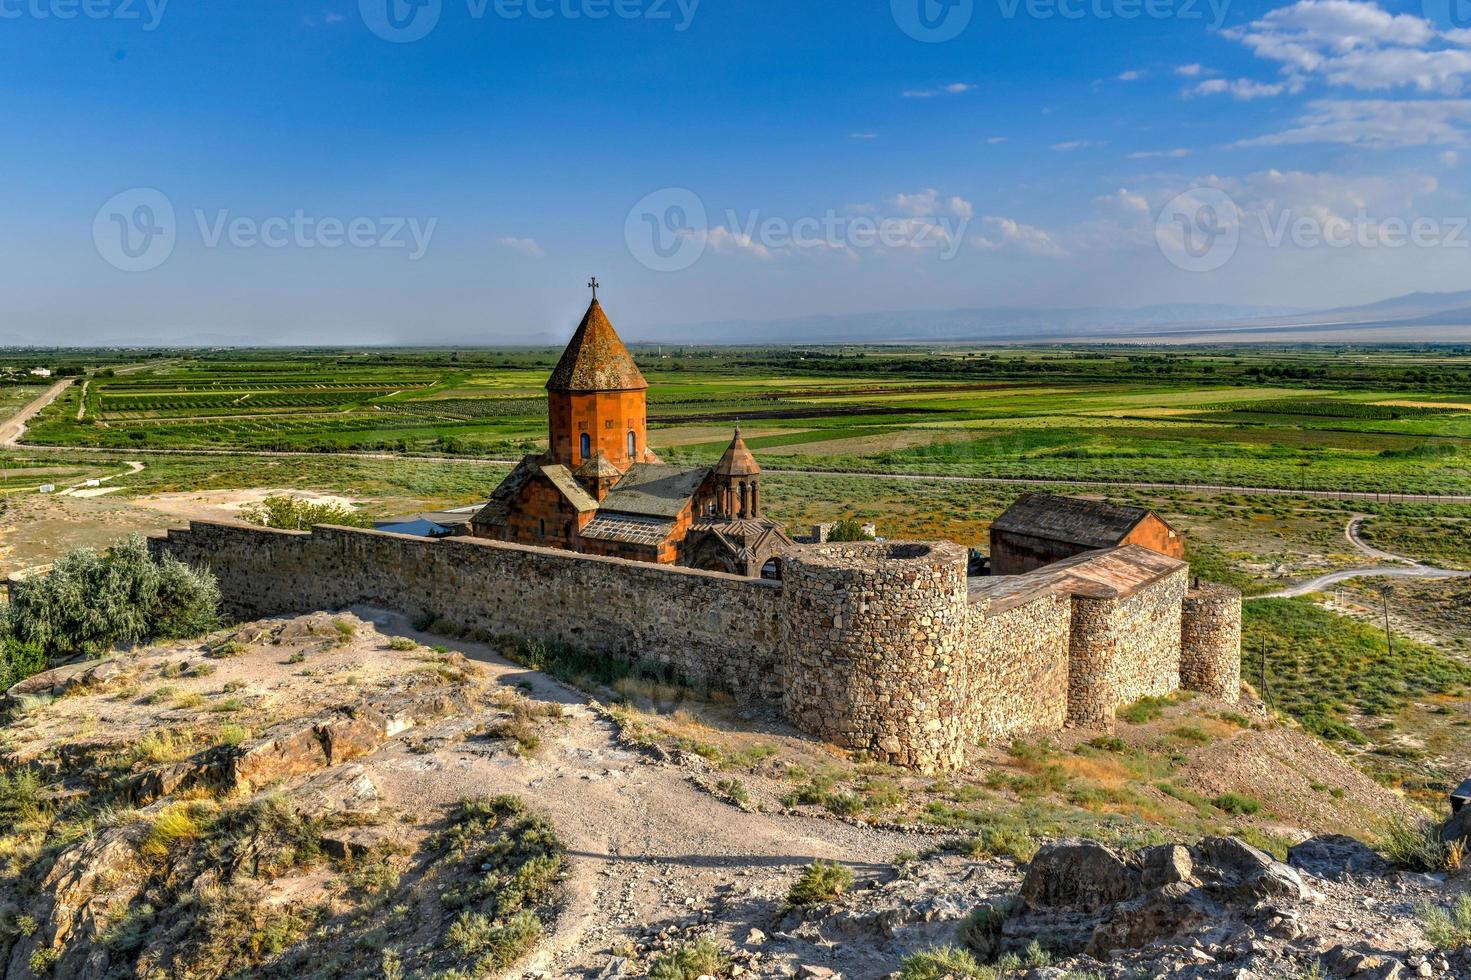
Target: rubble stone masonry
[(882, 647)]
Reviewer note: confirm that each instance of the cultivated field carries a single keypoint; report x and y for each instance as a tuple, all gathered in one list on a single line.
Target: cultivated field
[(1385, 421)]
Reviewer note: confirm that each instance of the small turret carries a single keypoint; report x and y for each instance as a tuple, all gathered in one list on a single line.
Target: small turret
[(738, 481)]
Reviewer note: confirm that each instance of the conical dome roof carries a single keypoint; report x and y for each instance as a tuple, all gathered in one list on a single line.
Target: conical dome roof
[(595, 359), (737, 460)]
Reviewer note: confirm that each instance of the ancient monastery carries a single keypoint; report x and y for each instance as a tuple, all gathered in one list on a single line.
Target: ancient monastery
[(600, 490)]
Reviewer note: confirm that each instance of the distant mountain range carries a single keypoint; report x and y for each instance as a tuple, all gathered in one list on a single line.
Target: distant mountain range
[(1428, 317)]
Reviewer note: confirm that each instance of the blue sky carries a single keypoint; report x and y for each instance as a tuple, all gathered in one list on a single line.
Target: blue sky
[(841, 164)]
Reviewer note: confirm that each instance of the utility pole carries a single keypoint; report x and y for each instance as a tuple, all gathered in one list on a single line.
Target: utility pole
[(1388, 636)]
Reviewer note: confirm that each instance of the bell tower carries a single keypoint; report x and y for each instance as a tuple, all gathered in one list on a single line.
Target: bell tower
[(597, 401), (738, 482)]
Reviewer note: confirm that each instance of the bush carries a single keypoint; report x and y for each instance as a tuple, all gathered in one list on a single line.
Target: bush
[(942, 963), (848, 529), (1416, 846), (981, 930), (821, 881), (295, 514), (91, 602), (1236, 804), (1447, 928), (690, 961)]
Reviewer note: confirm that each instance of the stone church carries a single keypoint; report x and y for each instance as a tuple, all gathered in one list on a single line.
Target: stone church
[(600, 490)]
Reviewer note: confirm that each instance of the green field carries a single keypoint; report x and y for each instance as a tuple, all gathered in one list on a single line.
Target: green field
[(1374, 419)]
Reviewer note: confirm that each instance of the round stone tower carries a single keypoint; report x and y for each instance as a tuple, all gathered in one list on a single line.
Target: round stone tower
[(874, 649), (1210, 641)]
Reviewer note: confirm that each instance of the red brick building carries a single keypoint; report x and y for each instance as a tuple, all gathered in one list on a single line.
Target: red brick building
[(1041, 528), (600, 490)]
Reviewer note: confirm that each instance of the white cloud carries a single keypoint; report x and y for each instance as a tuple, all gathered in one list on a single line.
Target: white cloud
[(1174, 154), (722, 239), (1130, 76), (954, 88), (863, 136), (527, 246), (1189, 71), (993, 140), (1128, 201), (1244, 89), (1376, 124), (1003, 233), (928, 203), (1450, 158), (1069, 145), (1357, 44)]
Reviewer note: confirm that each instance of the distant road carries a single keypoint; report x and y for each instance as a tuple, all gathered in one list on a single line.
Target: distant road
[(13, 428), (1409, 568)]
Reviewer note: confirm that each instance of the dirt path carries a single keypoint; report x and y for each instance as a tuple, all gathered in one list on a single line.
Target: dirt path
[(647, 847), (13, 428), (1408, 567)]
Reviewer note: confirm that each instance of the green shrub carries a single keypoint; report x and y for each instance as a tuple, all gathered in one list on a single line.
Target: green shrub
[(91, 602), (689, 961), (821, 881), (980, 930), (1144, 710), (295, 514), (847, 530), (944, 963), (1415, 846), (1236, 804), (1447, 928)]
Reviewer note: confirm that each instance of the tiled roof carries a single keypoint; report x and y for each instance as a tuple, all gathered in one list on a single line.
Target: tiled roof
[(498, 508), (737, 460), (561, 478), (598, 466), (1090, 523), (595, 359), (654, 490), (628, 529)]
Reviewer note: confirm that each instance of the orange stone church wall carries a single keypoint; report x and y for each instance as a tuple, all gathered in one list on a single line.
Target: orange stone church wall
[(606, 416), (1154, 534)]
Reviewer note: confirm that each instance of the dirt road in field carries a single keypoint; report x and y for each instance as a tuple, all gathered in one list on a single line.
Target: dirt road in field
[(14, 427), (1407, 567)]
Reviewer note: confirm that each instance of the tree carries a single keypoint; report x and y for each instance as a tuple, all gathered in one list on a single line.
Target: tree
[(90, 602), (848, 529), (295, 514)]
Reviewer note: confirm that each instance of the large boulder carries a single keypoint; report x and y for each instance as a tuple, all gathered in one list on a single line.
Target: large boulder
[(1335, 857), (1078, 875), (1174, 910), (1231, 869)]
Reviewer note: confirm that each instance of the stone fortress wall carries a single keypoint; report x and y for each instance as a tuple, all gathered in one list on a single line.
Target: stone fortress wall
[(884, 647)]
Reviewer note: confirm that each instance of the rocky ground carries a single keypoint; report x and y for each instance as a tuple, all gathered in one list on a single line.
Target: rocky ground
[(287, 797)]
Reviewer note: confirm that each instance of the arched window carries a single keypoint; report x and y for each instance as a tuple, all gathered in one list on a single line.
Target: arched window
[(586, 445), (632, 443)]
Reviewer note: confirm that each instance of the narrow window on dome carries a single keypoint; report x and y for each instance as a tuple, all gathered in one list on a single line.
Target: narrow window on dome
[(632, 443), (586, 445)]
